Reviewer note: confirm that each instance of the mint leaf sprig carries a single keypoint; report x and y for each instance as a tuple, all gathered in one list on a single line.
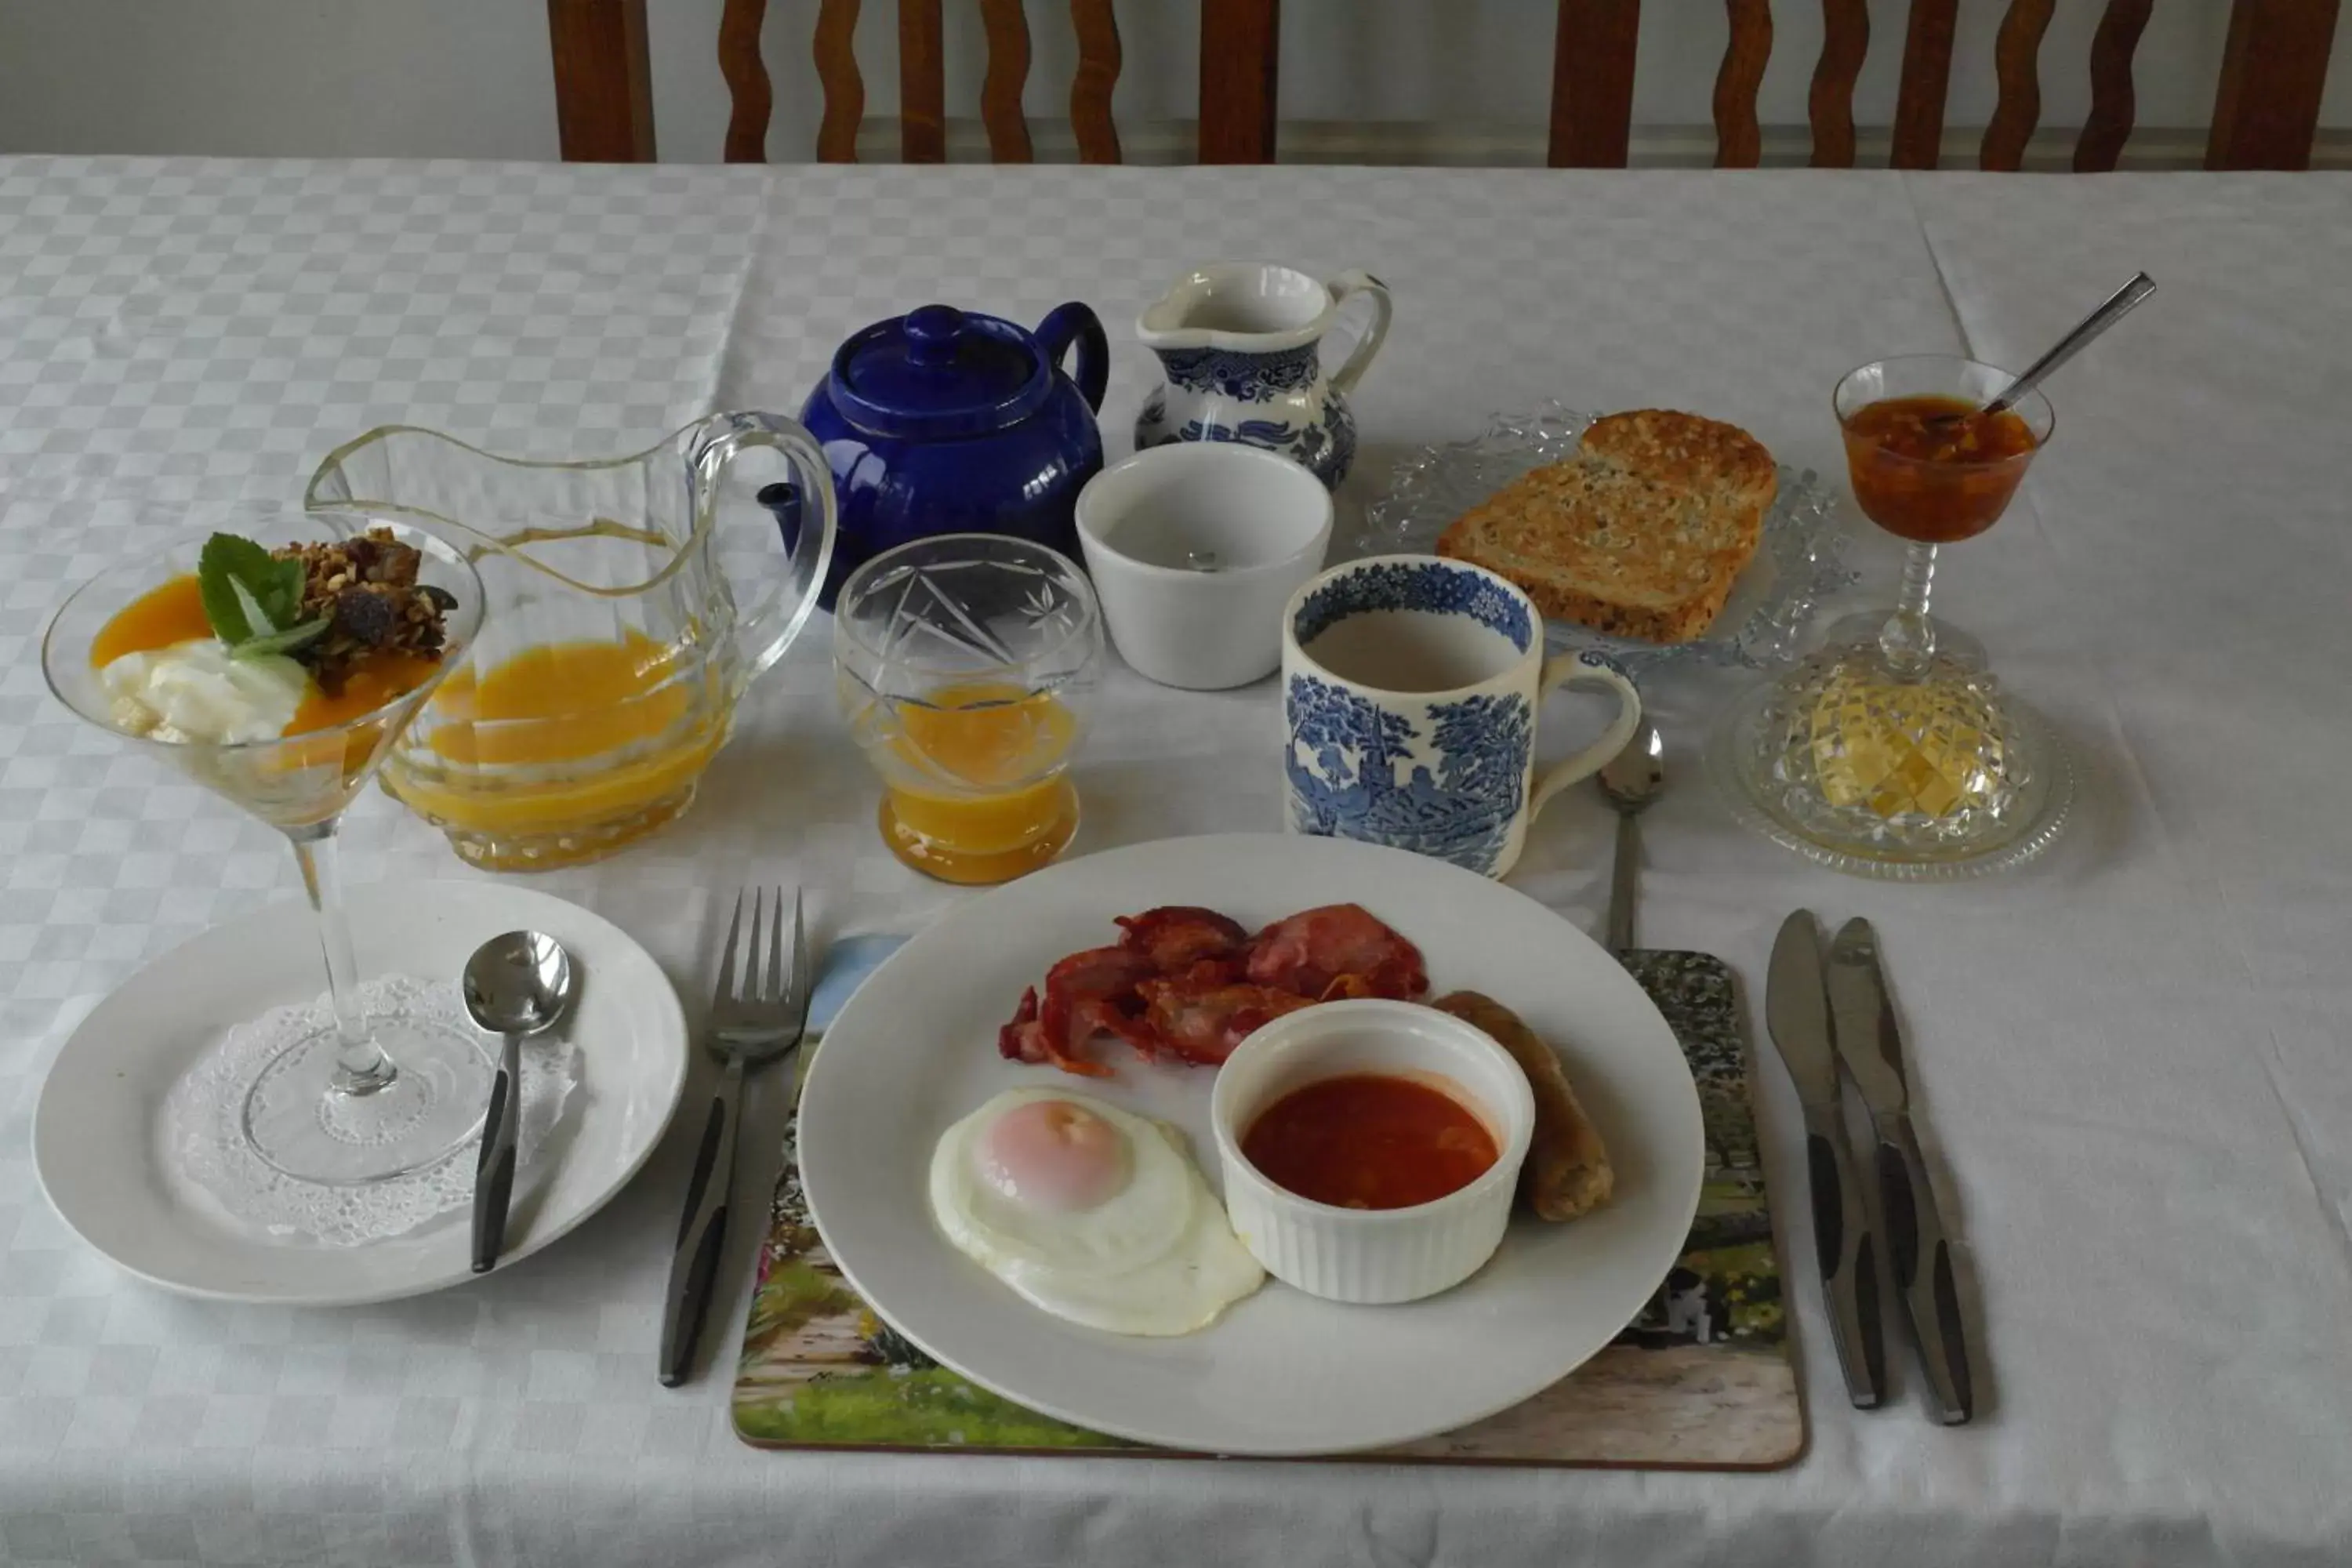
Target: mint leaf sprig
[(254, 600)]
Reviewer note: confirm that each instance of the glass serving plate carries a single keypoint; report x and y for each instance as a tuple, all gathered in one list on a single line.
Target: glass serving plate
[(1798, 565)]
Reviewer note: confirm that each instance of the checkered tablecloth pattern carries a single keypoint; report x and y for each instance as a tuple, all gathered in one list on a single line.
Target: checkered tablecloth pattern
[(2133, 1057)]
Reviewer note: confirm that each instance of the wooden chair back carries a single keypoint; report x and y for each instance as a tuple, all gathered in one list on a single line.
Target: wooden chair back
[(1237, 81), (2265, 114), (922, 81), (604, 100)]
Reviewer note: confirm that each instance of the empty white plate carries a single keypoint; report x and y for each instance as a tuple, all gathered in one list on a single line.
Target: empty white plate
[(98, 1133)]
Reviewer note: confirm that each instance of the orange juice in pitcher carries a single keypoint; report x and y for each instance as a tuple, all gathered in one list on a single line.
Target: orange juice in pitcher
[(614, 651)]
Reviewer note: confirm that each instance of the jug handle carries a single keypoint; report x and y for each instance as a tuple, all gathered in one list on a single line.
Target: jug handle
[(1075, 320), (711, 449), (1359, 358)]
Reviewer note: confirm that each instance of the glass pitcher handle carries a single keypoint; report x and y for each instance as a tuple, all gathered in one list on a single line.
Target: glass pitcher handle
[(762, 635)]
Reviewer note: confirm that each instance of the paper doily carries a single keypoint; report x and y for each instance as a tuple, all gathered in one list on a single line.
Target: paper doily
[(205, 1109)]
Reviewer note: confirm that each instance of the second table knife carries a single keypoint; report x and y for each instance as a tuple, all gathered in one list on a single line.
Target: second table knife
[(1796, 1009), (1917, 1252)]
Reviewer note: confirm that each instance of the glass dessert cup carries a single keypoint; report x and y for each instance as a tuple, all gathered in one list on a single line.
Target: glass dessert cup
[(1893, 751), (371, 1096), (966, 665)]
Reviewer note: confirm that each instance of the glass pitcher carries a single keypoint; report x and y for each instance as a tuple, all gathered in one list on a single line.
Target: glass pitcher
[(614, 651)]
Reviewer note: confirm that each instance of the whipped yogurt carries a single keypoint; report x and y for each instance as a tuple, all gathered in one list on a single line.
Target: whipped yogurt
[(195, 691)]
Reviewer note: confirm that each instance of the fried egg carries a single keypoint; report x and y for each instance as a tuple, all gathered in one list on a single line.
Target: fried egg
[(1089, 1211)]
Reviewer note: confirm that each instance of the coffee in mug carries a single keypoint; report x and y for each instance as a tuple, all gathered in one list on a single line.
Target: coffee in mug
[(1410, 689)]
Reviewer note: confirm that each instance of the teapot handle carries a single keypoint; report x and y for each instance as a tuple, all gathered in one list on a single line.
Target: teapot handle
[(1053, 334), (712, 448), (1360, 358)]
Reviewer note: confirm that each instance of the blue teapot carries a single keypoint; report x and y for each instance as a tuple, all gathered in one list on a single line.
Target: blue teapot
[(947, 421)]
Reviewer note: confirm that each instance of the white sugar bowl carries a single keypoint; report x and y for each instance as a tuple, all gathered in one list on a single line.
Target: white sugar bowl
[(1371, 1257), (1195, 549)]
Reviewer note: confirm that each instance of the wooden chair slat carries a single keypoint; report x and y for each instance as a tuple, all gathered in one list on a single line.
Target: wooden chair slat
[(1592, 83), (1738, 140), (1845, 41), (1918, 133), (1007, 28), (2016, 63), (1239, 43), (1926, 73), (922, 84), (2273, 69), (834, 46), (1090, 89), (2109, 125), (604, 81), (749, 96)]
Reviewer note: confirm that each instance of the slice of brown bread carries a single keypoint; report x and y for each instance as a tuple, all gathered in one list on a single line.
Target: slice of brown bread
[(1642, 534)]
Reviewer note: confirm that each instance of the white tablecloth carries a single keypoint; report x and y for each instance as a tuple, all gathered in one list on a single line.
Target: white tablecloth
[(2132, 1056)]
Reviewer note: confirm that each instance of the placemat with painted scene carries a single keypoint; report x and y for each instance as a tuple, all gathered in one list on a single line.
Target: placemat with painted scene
[(1702, 1380)]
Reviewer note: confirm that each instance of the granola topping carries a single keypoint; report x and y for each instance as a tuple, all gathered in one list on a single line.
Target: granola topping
[(366, 588)]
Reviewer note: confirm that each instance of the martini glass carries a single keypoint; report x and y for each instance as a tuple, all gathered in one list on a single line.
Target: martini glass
[(368, 1097), (1893, 751)]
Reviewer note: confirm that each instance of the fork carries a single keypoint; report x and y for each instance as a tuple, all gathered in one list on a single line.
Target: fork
[(756, 1018)]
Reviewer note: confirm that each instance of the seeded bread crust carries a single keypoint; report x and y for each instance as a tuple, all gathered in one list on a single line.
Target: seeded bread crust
[(1640, 534)]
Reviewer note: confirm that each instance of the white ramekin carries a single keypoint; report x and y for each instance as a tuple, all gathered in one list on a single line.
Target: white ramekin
[(1371, 1256), (1266, 522)]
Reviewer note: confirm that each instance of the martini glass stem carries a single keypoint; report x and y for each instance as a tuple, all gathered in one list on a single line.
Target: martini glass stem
[(1908, 639), (361, 1066)]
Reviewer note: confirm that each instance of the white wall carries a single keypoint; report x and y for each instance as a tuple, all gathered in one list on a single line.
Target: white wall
[(1461, 79)]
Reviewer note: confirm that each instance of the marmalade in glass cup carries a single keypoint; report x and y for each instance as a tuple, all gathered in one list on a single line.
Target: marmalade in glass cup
[(1923, 475)]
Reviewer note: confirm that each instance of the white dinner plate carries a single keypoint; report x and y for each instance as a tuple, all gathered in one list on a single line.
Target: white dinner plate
[(1281, 1372), (98, 1133)]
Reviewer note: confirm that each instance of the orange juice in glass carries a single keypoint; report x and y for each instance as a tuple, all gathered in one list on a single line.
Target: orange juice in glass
[(965, 666)]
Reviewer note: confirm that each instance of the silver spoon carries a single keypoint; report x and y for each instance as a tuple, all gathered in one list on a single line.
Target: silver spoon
[(1632, 780), (515, 985), (2111, 310)]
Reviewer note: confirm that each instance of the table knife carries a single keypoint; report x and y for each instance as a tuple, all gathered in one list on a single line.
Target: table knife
[(1919, 1258), (1796, 1009)]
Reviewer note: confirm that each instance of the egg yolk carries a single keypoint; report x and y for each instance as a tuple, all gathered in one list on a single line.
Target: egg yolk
[(1055, 1155)]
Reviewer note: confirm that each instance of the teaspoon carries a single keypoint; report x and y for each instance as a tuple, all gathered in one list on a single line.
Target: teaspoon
[(1632, 780), (515, 985), (2111, 310)]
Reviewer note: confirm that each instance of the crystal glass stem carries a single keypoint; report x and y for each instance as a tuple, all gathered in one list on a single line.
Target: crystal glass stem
[(1908, 639), (361, 1066)]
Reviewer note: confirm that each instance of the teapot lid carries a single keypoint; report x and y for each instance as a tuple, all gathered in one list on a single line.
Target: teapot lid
[(937, 373)]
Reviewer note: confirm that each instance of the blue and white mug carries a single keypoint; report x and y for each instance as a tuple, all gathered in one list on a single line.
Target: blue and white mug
[(1410, 686)]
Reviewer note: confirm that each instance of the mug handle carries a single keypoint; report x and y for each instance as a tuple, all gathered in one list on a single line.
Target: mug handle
[(1359, 358), (1590, 669)]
